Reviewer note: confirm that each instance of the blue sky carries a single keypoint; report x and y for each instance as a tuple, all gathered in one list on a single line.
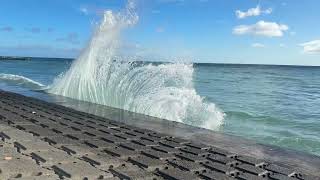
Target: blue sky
[(223, 31)]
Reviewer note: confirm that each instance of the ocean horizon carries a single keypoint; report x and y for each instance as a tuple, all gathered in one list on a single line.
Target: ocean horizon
[(270, 104), (2, 57)]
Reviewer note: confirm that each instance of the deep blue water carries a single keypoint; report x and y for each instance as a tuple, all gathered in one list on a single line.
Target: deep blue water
[(276, 105)]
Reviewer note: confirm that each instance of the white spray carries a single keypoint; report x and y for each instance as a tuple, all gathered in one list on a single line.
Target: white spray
[(164, 91)]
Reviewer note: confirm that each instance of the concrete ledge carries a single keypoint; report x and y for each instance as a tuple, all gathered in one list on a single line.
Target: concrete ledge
[(124, 145)]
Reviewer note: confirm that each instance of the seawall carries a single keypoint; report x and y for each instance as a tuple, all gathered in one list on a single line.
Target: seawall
[(50, 140)]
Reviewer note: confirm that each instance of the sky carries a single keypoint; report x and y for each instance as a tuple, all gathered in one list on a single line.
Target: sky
[(209, 31)]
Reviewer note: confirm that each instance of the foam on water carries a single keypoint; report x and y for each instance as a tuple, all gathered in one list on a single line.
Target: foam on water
[(165, 90), (21, 81)]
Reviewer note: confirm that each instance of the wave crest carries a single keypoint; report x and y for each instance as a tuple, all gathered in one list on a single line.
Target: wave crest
[(21, 81), (160, 90)]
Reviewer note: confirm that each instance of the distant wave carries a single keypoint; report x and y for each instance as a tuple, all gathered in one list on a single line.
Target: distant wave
[(241, 115), (258, 119), (21, 81)]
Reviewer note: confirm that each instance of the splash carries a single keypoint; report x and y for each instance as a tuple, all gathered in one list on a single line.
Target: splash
[(21, 81), (162, 90)]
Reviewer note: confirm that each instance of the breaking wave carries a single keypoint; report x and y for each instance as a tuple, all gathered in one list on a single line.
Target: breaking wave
[(160, 90), (100, 76), (21, 81)]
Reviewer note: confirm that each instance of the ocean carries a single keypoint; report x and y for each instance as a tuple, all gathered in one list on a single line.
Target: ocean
[(270, 104), (276, 105)]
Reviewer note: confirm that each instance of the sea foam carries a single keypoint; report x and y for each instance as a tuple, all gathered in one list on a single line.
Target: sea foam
[(162, 90)]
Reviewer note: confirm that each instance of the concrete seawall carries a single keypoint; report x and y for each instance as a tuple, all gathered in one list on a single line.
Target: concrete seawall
[(49, 141)]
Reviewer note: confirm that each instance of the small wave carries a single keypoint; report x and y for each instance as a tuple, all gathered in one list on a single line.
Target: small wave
[(21, 81), (260, 119), (238, 114)]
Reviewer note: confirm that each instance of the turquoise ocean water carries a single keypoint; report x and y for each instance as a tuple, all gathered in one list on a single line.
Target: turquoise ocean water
[(277, 105)]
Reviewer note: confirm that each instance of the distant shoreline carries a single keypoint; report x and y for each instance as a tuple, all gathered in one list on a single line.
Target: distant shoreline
[(22, 58), (15, 58)]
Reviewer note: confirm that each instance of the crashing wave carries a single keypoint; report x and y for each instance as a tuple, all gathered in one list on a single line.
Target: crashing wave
[(160, 90)]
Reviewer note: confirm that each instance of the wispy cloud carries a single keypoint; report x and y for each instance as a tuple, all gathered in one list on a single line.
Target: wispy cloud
[(257, 11), (311, 47), (6, 29), (258, 45), (34, 30), (72, 38), (262, 28)]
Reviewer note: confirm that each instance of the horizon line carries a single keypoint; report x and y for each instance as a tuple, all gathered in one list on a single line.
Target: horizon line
[(218, 63)]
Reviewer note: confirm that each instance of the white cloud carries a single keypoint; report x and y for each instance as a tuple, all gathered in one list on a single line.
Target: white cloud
[(257, 11), (262, 28), (258, 45), (311, 47)]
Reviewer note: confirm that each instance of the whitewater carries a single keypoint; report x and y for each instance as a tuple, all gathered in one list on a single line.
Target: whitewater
[(100, 76)]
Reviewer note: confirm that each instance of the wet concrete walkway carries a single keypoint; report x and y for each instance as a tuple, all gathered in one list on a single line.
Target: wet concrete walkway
[(42, 140)]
